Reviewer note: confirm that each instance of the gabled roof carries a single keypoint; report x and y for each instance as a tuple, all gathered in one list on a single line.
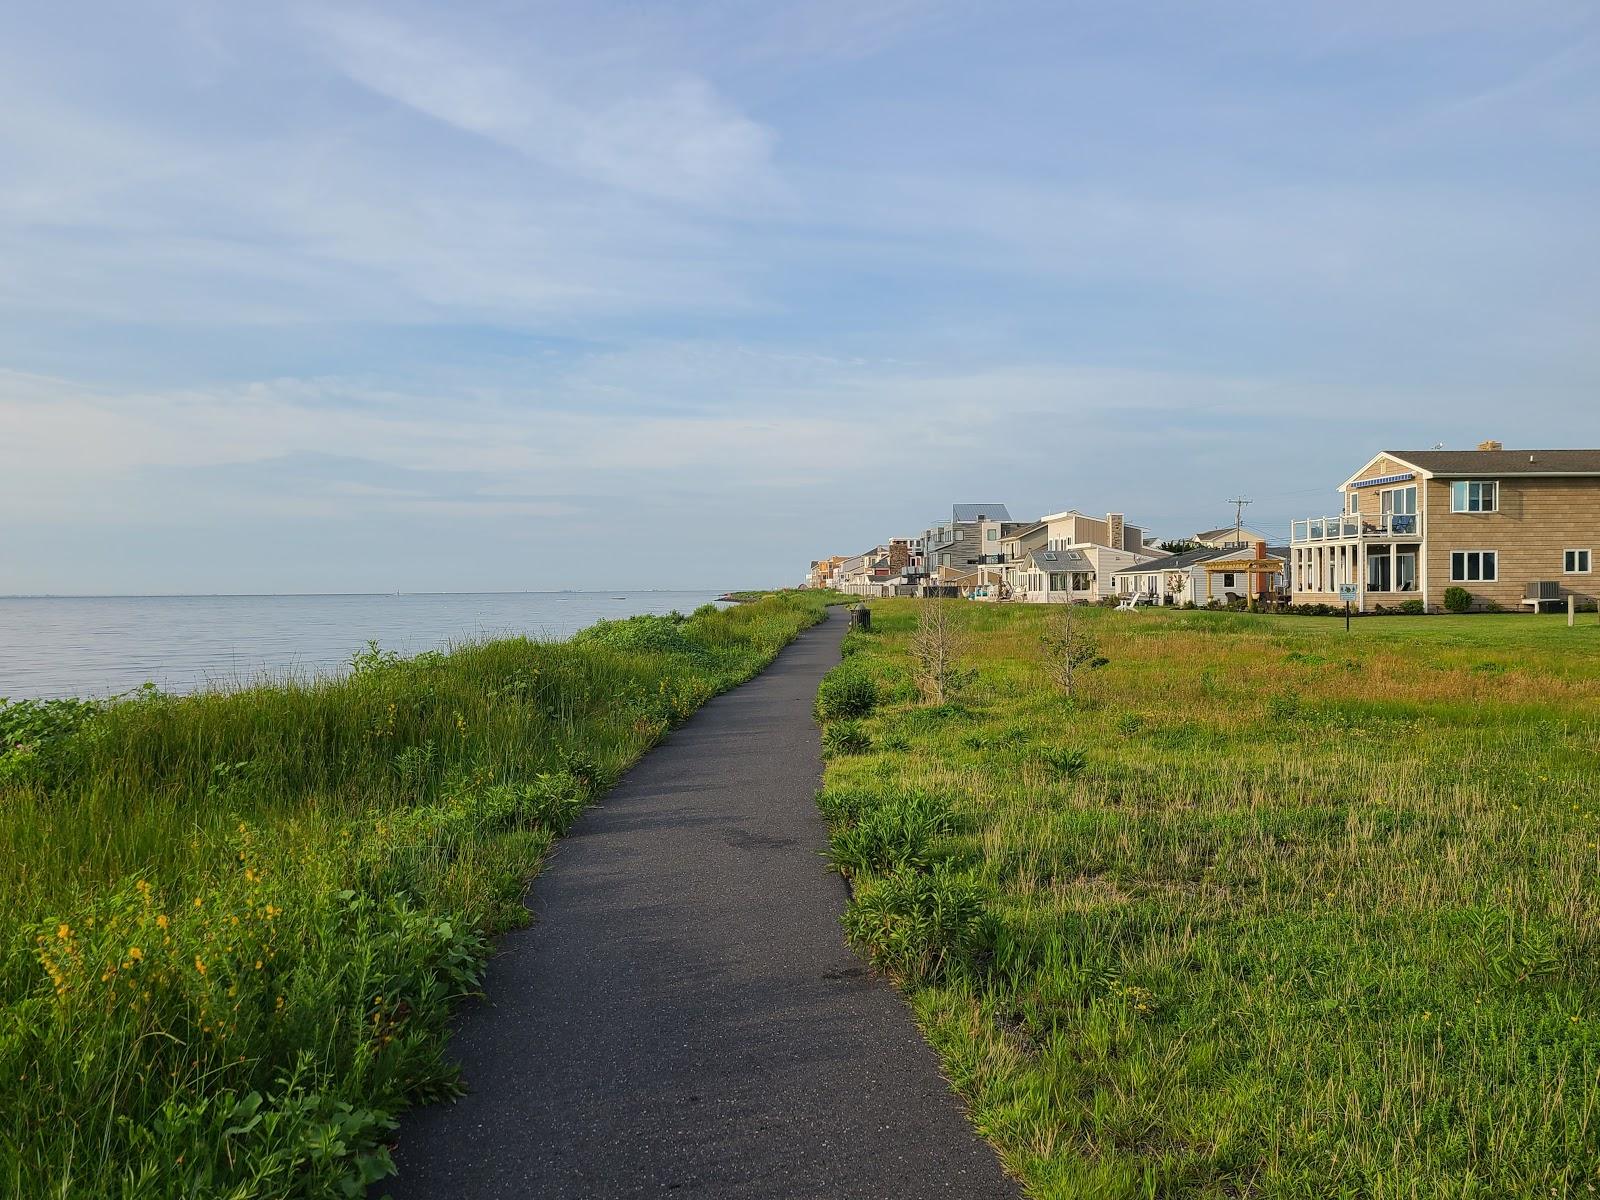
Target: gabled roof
[(967, 513), (1501, 462), (1176, 562)]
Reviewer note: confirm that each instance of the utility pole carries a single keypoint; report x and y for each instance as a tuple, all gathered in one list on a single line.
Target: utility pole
[(1239, 504)]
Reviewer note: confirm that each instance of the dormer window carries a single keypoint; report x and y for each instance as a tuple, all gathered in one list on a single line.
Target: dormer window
[(1474, 496)]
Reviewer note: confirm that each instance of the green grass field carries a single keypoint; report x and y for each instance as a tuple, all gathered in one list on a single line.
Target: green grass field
[(1267, 910), (235, 923)]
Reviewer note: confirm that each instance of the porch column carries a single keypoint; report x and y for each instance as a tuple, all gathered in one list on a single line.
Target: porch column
[(1394, 566)]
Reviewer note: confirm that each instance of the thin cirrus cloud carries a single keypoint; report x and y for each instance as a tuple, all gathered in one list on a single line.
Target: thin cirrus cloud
[(669, 136), (517, 273)]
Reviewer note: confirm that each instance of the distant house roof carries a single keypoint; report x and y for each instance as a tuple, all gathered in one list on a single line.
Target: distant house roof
[(1502, 462), (1022, 528), (1176, 562), (1244, 535), (978, 512)]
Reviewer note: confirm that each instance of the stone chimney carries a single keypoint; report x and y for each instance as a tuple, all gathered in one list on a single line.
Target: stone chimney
[(1114, 530), (1490, 446)]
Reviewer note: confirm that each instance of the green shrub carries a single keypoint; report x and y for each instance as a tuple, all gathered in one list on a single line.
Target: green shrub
[(1063, 760), (844, 738), (1413, 607), (1457, 599), (899, 835), (647, 632), (37, 745), (917, 926), (838, 805), (846, 691), (1285, 706), (855, 641)]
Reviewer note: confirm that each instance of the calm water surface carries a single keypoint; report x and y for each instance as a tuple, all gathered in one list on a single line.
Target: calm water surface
[(101, 645)]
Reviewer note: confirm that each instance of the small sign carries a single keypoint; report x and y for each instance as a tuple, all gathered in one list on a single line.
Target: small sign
[(1349, 593)]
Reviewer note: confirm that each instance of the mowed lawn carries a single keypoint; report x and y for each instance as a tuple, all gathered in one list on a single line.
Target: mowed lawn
[(1272, 910)]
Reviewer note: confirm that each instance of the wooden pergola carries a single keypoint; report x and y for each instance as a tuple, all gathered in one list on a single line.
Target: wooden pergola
[(1258, 572)]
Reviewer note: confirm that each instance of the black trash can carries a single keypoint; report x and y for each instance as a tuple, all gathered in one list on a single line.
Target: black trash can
[(861, 617)]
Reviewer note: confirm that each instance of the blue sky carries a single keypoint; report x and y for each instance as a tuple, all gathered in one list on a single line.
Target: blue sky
[(332, 297)]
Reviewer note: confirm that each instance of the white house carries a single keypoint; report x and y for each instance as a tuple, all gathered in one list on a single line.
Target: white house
[(1220, 573)]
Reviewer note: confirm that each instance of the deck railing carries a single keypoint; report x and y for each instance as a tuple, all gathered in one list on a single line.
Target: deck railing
[(1352, 526)]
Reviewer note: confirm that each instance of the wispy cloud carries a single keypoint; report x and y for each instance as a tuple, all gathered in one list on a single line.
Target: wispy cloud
[(628, 125)]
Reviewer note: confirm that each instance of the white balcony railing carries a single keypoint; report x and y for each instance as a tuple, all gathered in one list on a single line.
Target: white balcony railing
[(1353, 526)]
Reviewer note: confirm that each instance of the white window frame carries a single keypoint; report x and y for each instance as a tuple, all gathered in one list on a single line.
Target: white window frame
[(1463, 555), (1466, 495), (1571, 555), (1386, 500)]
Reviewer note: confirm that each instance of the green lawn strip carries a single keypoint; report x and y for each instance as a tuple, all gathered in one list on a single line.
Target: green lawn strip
[(236, 922), (1267, 910)]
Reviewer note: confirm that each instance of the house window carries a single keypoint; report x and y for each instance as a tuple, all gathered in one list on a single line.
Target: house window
[(1474, 495), (990, 535), (1401, 502), (1474, 566), (1355, 501), (1227, 579), (1576, 562)]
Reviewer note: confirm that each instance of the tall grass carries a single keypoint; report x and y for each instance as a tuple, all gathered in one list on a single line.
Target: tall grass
[(235, 922), (1269, 910)]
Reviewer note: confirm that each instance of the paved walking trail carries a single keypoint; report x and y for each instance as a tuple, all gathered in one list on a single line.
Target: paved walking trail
[(684, 1016)]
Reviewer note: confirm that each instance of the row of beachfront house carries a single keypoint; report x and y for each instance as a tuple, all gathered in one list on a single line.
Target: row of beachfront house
[(982, 554), (1509, 529)]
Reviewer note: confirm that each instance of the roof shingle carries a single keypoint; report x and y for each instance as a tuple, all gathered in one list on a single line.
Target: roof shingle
[(1502, 462)]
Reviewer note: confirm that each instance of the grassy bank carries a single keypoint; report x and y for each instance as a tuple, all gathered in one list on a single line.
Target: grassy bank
[(1265, 910), (235, 922)]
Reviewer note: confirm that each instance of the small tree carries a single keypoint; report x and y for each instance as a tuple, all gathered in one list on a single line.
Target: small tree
[(1069, 649), (935, 648), (1176, 582)]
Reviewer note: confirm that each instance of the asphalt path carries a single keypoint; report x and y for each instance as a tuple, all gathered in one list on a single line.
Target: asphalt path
[(683, 1016)]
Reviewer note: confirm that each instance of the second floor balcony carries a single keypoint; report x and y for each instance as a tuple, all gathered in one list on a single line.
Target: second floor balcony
[(1354, 527)]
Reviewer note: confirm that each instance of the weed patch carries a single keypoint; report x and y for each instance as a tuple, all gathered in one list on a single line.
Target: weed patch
[(1273, 910)]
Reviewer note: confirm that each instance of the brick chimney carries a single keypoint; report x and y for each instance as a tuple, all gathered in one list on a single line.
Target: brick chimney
[(1261, 549), (1490, 446)]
